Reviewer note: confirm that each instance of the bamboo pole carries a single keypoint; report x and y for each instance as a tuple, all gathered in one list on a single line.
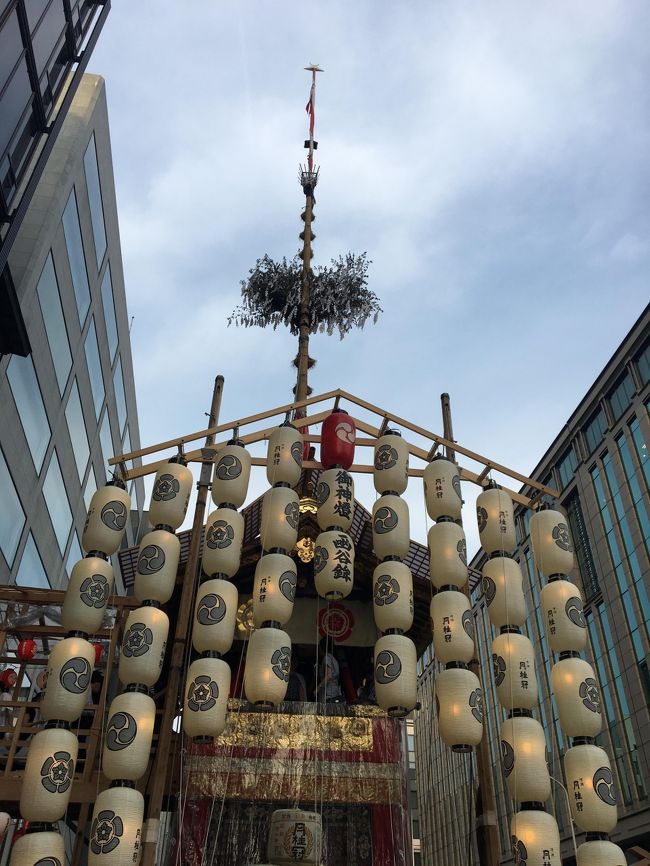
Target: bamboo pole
[(304, 321)]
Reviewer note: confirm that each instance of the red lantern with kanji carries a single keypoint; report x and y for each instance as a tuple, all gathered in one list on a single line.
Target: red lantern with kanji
[(99, 652), (8, 678), (338, 435), (26, 650)]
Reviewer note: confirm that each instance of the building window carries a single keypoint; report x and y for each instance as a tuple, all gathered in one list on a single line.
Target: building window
[(567, 466), (643, 363), (77, 430), (109, 313), (90, 488), (594, 430), (621, 395), (56, 499), (12, 516), (31, 571), (106, 439), (95, 199), (74, 244), (29, 405), (583, 547), (74, 554), (57, 336), (94, 368), (634, 487), (120, 396)]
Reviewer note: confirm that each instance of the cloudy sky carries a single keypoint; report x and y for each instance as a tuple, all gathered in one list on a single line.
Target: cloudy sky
[(491, 158)]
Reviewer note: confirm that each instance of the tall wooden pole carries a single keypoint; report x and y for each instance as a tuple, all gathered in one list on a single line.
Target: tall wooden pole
[(181, 647), (487, 833), (302, 386)]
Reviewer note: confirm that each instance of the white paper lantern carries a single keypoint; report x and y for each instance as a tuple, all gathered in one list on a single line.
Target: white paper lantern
[(224, 535), (551, 542), (590, 784), (284, 456), (206, 698), (335, 497), (504, 592), (442, 489), (447, 554), (334, 564), (392, 596), (459, 703), (5, 821), (274, 589), (215, 616), (523, 759), (170, 495), (116, 829), (155, 574), (600, 852), (564, 619), (128, 735), (496, 526), (395, 675), (280, 517), (232, 472), (87, 594), (69, 669), (535, 838), (577, 696), (268, 663), (106, 519), (513, 658), (295, 837), (143, 646), (391, 463), (391, 534), (49, 772), (453, 627), (43, 847)]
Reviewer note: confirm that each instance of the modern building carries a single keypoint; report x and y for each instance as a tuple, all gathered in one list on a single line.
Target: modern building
[(599, 462), (70, 404), (44, 48)]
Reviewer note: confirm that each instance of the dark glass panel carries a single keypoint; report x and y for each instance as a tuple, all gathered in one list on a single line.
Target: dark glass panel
[(12, 516), (74, 244), (95, 199), (29, 405), (15, 99), (57, 336), (94, 367), (31, 571), (48, 34), (567, 466), (56, 499), (594, 430), (77, 430), (11, 47), (120, 397), (643, 364), (109, 313), (583, 547), (621, 395)]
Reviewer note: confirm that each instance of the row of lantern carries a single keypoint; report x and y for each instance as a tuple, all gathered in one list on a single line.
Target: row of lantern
[(587, 767)]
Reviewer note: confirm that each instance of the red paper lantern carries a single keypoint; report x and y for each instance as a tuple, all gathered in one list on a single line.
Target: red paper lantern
[(307, 446), (338, 435), (8, 678), (99, 652), (26, 650)]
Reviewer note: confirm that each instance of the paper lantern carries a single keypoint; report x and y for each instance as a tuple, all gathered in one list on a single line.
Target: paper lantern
[(392, 596), (334, 564), (116, 829), (551, 542), (215, 616), (391, 463), (535, 838), (99, 651), (224, 534), (274, 589), (590, 784), (49, 772), (577, 696), (453, 627), (232, 473), (89, 588), (26, 650), (8, 678), (459, 702), (395, 677), (42, 847), (69, 668), (106, 519), (206, 698), (495, 516), (338, 436), (280, 516), (128, 735), (600, 852), (504, 592), (564, 619), (284, 456), (523, 759), (268, 662), (170, 495), (295, 837), (442, 489), (155, 574), (335, 497), (447, 554), (143, 646), (391, 534), (5, 821), (513, 658)]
